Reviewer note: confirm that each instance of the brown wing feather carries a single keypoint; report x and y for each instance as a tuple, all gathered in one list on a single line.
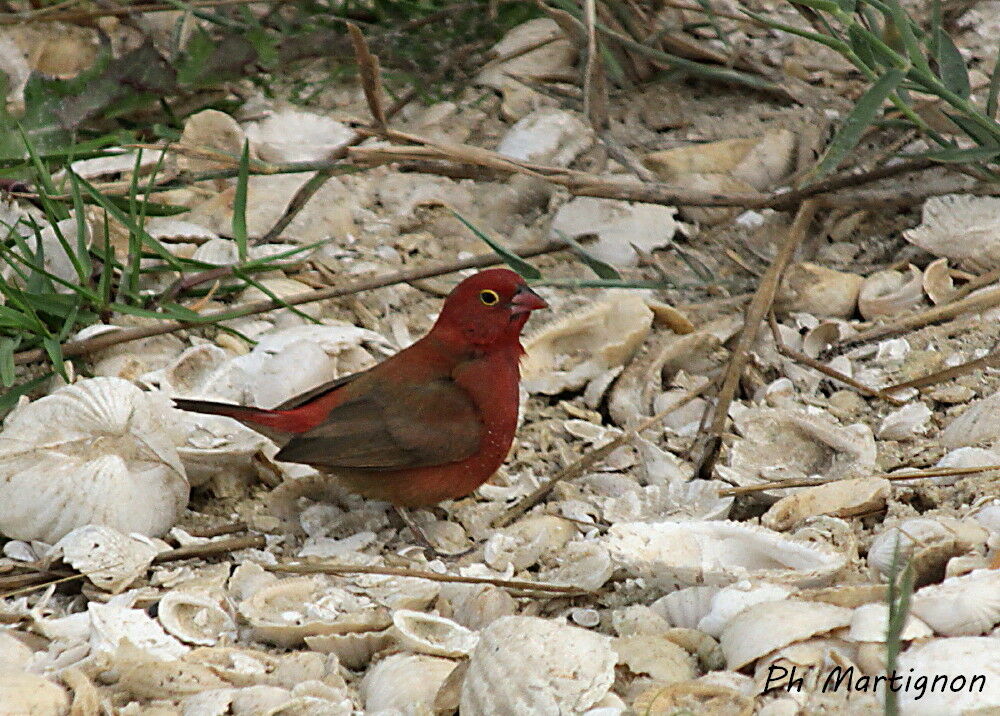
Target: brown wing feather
[(317, 391), (393, 427)]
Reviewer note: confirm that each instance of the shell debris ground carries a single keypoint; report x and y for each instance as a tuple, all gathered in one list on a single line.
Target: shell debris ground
[(174, 533)]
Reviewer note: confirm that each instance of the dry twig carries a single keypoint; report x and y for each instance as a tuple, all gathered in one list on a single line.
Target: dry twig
[(811, 482), (759, 306)]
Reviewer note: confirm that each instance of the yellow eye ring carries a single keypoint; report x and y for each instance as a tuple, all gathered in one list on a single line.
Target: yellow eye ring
[(488, 297)]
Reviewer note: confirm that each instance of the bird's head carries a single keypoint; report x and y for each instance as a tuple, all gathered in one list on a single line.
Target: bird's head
[(488, 308)]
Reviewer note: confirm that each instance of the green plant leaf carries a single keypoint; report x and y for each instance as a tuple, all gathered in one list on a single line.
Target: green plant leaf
[(961, 156), (827, 6), (991, 97), (10, 397), (7, 369), (54, 351), (863, 114), (240, 203), (602, 269), (953, 72), (511, 259)]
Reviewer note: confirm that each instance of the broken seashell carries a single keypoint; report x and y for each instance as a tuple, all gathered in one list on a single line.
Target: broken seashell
[(623, 228), (730, 601), (547, 136), (527, 541), (430, 634), (24, 693), (938, 284), (943, 537), (655, 656), (195, 617), (870, 622), (698, 696), (289, 610), (910, 421), (968, 666), (960, 227), (293, 135), (679, 553), (820, 291), (769, 626), (112, 626), (840, 498), (778, 444), (476, 606), (887, 293), (977, 425), (686, 607), (968, 605), (352, 649), (529, 665), (99, 451), (404, 683), (583, 564), (571, 351), (109, 559)]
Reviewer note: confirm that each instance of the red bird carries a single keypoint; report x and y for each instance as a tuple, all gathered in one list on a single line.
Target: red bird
[(431, 423)]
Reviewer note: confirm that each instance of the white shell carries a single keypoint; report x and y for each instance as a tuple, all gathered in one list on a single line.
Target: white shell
[(528, 665), (769, 626), (685, 607), (785, 444), (574, 349), (23, 693), (957, 660), (968, 605), (547, 136), (938, 284), (109, 559), (820, 291), (906, 423), (404, 683), (870, 622), (978, 424), (97, 452), (842, 498), (887, 293), (111, 626), (289, 610), (476, 605), (921, 533), (965, 457), (678, 553), (619, 225), (961, 227), (525, 542), (582, 564), (293, 135), (655, 656), (353, 649), (732, 600), (195, 617), (430, 634)]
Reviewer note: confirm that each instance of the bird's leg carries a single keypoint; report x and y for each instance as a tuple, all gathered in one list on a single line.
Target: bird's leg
[(417, 530)]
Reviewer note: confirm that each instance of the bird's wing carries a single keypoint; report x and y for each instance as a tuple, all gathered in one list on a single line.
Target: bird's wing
[(319, 390), (392, 427)]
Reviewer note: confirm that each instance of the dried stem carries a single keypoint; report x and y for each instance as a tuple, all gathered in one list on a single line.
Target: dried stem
[(812, 482), (211, 549), (518, 584), (71, 349), (589, 459), (759, 307), (826, 370)]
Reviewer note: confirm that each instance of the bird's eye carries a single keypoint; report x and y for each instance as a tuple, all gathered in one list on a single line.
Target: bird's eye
[(488, 297)]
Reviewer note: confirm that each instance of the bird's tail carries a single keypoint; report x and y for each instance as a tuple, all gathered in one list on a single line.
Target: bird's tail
[(278, 425)]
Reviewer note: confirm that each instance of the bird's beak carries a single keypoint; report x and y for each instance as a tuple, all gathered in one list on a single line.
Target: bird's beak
[(526, 301)]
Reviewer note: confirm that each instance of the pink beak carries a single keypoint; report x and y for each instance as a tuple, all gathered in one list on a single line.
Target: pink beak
[(526, 301)]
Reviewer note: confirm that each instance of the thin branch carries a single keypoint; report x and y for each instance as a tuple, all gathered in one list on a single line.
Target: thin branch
[(823, 368), (519, 584), (810, 482), (990, 360), (759, 307), (71, 349)]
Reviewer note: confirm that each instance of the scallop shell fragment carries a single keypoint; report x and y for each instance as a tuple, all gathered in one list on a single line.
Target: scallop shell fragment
[(99, 451), (195, 618), (404, 683), (925, 539), (887, 293), (769, 626), (24, 693), (968, 605), (961, 227), (817, 290), (430, 634), (678, 553), (527, 665), (871, 623), (779, 444), (109, 559), (573, 350), (962, 676), (841, 498)]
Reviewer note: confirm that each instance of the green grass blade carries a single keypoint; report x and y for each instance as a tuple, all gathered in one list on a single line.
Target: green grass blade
[(54, 351), (602, 269), (7, 370), (961, 156), (991, 97), (511, 259), (953, 72), (43, 176), (858, 120), (240, 203), (10, 397)]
